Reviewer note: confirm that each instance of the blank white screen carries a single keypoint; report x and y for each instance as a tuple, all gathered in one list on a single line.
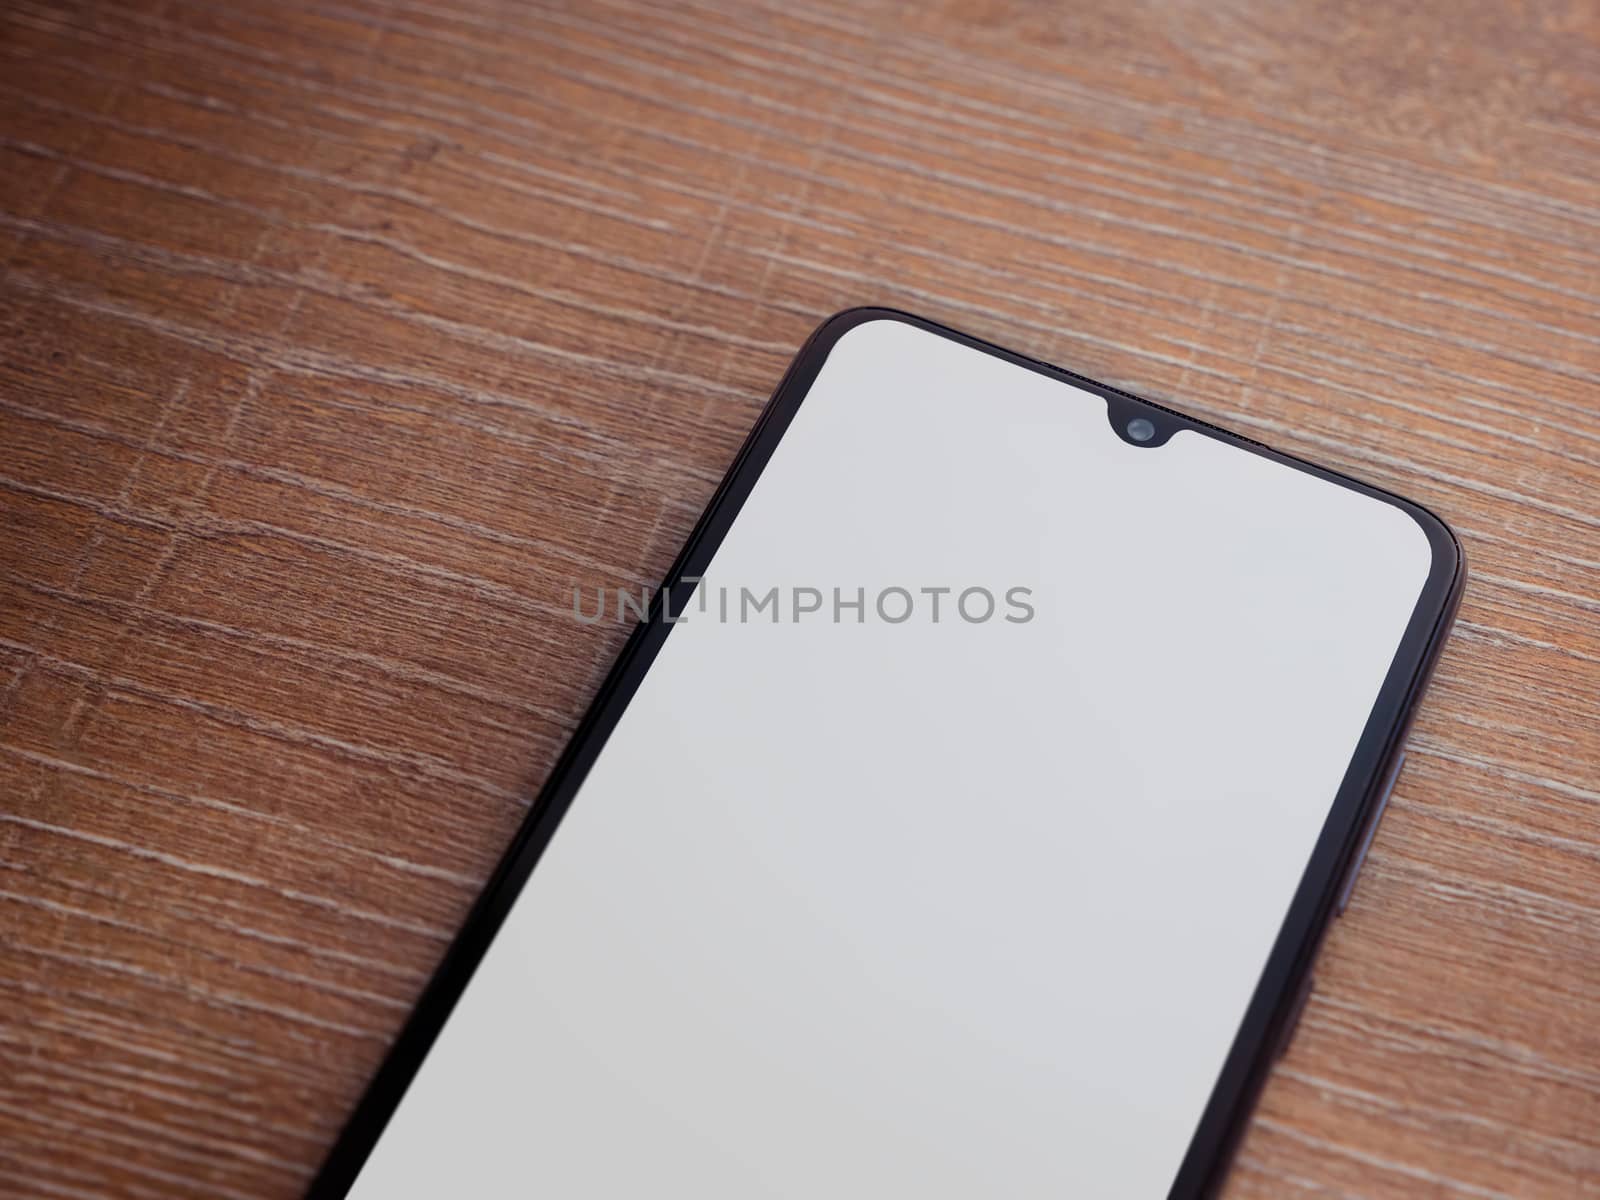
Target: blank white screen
[(933, 910)]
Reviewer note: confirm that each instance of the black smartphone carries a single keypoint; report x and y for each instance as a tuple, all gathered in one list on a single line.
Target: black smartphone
[(961, 821)]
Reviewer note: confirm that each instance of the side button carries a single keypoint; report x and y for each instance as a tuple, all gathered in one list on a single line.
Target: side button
[(1372, 829), (1307, 986)]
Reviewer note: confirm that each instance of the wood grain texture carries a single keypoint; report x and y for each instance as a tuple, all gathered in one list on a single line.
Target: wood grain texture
[(341, 339)]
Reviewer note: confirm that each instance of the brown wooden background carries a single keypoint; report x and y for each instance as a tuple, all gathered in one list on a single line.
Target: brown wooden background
[(340, 340)]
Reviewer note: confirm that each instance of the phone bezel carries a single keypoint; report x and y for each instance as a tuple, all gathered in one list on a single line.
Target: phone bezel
[(1268, 1018)]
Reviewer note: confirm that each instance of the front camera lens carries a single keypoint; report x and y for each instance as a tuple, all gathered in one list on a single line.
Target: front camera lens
[(1141, 430)]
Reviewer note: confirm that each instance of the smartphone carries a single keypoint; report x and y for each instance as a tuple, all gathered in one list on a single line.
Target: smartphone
[(961, 820)]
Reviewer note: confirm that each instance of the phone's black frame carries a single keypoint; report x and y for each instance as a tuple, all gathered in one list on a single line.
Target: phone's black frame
[(1269, 1018)]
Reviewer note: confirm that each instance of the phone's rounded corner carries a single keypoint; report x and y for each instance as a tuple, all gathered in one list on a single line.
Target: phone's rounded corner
[(1447, 563), (832, 330)]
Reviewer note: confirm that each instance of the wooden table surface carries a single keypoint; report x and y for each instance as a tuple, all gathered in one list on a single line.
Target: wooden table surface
[(341, 339)]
